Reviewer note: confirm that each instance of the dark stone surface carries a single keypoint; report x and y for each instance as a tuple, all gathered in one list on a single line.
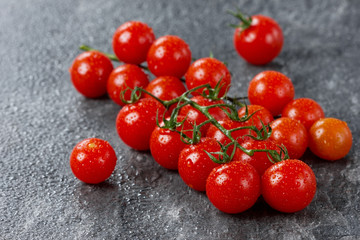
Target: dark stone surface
[(43, 117)]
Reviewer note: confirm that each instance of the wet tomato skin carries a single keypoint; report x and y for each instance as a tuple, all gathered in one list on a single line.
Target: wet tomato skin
[(261, 42), (261, 115), (131, 42), (259, 160), (169, 56), (165, 88), (233, 187), (208, 71), (272, 90), (330, 139), (305, 110), (135, 122), (125, 76), (195, 165), (288, 186), (197, 117), (89, 73), (166, 145), (292, 134), (228, 124), (93, 160)]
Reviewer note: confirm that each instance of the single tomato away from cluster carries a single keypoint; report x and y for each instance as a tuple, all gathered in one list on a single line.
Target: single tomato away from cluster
[(93, 160), (258, 39)]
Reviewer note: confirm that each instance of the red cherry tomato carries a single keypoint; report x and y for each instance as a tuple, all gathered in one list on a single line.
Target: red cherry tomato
[(92, 160), (208, 71), (292, 134), (195, 165), (305, 110), (288, 186), (195, 116), (330, 139), (215, 133), (135, 122), (261, 114), (131, 42), (272, 90), (259, 160), (165, 88), (261, 42), (122, 77), (233, 187), (90, 72), (169, 56), (166, 145)]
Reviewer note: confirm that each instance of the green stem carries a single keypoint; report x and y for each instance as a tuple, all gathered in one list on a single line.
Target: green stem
[(184, 100), (245, 20)]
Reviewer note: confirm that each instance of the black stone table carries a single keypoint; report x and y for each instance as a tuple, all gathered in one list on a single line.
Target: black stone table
[(43, 117)]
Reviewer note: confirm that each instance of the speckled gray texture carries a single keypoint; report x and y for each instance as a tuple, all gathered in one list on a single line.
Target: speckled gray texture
[(43, 117)]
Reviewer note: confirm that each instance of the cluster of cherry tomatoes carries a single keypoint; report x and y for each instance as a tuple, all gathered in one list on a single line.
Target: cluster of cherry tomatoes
[(197, 131)]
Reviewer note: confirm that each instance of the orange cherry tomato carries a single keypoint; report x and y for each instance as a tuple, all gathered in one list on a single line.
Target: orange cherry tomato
[(330, 139)]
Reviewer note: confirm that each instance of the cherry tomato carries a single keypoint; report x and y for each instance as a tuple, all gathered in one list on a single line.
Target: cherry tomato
[(272, 90), (288, 186), (125, 76), (165, 88), (197, 117), (166, 145), (330, 139), (131, 42), (208, 71), (261, 42), (195, 165), (90, 72), (305, 110), (214, 132), (135, 122), (93, 160), (233, 187), (261, 114), (169, 56), (259, 160), (292, 134)]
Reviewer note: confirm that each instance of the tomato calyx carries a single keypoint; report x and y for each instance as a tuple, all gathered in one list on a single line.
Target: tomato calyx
[(223, 156), (245, 20)]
